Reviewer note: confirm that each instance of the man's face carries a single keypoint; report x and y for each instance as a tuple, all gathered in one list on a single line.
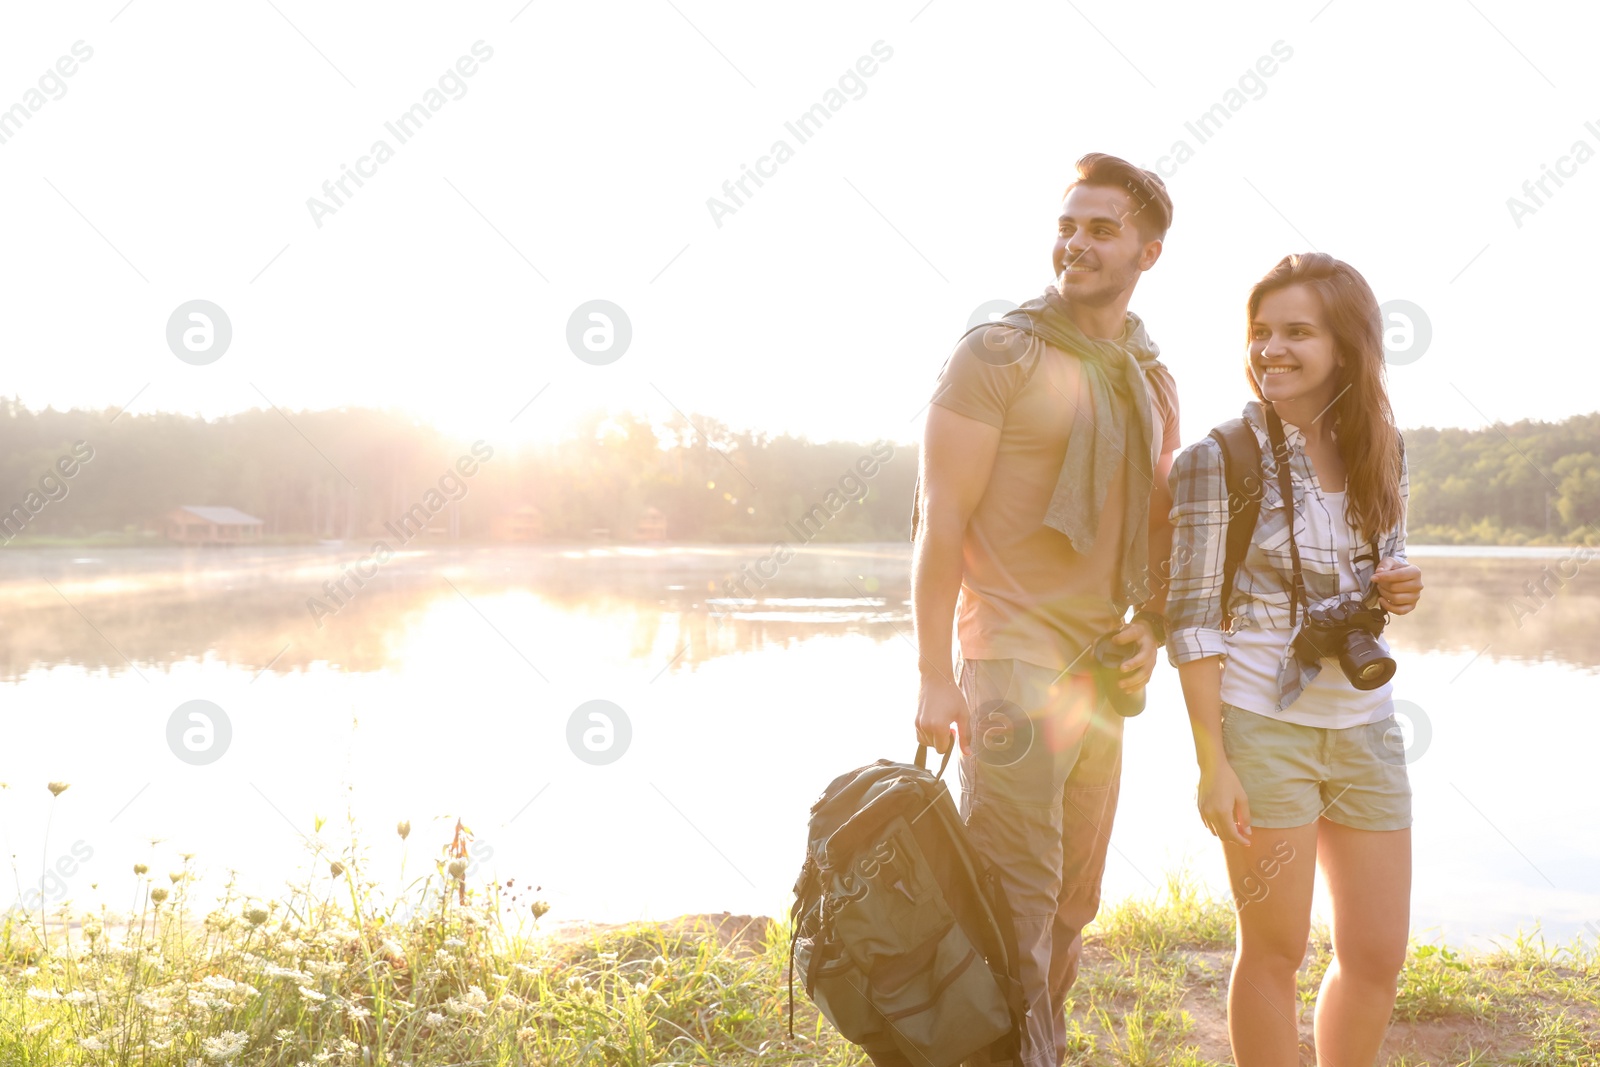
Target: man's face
[(1099, 252)]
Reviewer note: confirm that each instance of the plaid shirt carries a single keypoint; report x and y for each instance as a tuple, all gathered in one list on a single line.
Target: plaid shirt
[(1261, 586)]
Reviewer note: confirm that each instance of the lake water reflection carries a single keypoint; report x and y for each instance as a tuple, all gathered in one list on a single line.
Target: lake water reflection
[(445, 687)]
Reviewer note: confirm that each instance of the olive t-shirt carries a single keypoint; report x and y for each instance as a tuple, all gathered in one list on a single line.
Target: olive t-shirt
[(1026, 593)]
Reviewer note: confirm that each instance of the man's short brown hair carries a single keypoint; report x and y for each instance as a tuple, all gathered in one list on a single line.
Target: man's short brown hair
[(1152, 207)]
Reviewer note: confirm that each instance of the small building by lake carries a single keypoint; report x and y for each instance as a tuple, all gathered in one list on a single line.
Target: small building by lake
[(203, 525)]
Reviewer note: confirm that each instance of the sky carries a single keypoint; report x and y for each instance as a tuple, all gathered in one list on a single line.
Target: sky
[(563, 154)]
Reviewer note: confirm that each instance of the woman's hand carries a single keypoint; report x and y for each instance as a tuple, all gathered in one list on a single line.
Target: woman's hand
[(1223, 806), (1399, 585)]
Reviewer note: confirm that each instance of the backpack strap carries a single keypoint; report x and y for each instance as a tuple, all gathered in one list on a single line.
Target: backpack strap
[(1241, 467), (922, 758)]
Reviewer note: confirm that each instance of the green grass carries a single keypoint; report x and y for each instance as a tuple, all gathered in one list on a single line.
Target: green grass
[(325, 975)]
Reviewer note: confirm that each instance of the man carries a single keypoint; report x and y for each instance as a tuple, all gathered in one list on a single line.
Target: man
[(1041, 517)]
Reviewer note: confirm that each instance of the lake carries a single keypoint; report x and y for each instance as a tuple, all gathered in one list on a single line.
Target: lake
[(456, 683)]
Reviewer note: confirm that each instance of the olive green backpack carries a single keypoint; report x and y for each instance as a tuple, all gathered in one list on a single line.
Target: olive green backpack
[(901, 932)]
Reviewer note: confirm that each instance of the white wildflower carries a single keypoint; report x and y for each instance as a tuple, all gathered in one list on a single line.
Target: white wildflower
[(312, 995), (456, 1006), (93, 1044), (224, 1047), (77, 996), (473, 1003), (200, 1001), (218, 982), (342, 935), (323, 970), (272, 970), (43, 994), (356, 1011), (454, 942), (433, 1018)]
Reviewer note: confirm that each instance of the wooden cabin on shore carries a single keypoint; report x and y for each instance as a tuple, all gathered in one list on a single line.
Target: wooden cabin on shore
[(204, 525)]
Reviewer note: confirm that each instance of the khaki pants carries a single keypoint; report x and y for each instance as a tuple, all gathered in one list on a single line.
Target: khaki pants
[(1038, 794)]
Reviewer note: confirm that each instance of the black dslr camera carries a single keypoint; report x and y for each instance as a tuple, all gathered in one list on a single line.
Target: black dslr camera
[(1348, 631)]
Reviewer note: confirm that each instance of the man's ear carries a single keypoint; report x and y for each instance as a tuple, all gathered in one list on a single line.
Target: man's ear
[(1151, 253)]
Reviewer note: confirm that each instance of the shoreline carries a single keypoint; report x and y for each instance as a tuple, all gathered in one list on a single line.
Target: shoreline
[(1532, 548)]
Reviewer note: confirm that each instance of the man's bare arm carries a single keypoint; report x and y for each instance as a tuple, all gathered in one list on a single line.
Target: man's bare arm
[(957, 457)]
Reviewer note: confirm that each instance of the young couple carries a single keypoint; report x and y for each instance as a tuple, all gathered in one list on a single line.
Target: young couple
[(1049, 503)]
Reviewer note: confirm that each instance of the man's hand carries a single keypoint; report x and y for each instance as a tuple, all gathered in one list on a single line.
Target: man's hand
[(941, 705), (1138, 668), (1399, 585)]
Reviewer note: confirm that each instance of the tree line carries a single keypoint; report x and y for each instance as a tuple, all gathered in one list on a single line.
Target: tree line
[(343, 474)]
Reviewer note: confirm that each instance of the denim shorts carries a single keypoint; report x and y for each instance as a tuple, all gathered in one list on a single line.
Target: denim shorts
[(1294, 774)]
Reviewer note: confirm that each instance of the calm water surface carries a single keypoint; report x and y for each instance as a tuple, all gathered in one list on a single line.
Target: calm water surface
[(445, 688)]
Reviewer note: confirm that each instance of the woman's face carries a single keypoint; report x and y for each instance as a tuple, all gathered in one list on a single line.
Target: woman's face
[(1292, 352)]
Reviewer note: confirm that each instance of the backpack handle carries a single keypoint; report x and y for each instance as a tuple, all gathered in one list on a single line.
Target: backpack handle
[(922, 758)]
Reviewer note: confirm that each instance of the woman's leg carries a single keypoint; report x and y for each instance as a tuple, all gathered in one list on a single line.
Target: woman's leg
[(1272, 883), (1369, 879)]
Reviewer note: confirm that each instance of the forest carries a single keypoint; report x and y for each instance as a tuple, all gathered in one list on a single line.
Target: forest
[(343, 474)]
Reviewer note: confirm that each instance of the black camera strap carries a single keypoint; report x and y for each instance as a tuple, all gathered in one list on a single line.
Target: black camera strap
[(1280, 457)]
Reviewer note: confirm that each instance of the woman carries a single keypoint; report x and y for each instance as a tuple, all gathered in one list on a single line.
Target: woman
[(1298, 765)]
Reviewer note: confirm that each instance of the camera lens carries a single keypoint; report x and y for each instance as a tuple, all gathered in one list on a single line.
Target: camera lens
[(1364, 661)]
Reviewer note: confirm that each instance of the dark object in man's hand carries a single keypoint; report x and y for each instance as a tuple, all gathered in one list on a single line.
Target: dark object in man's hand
[(1109, 656)]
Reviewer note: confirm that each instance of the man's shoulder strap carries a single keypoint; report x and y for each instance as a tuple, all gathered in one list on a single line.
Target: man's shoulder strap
[(1241, 468)]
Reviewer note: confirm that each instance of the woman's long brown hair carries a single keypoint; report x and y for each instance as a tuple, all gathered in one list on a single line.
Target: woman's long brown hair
[(1362, 418)]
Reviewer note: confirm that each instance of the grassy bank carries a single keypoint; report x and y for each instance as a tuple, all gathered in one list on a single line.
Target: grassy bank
[(327, 975)]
